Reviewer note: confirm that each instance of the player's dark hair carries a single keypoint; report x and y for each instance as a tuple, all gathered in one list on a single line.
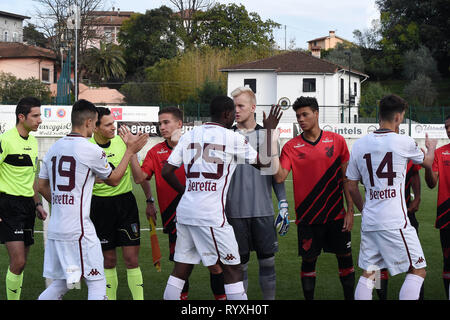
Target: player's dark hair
[(81, 111), (390, 105), (306, 102), (174, 111), (24, 106), (102, 111), (219, 105)]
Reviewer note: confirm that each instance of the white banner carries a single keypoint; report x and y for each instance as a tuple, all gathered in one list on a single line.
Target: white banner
[(435, 131), (56, 120)]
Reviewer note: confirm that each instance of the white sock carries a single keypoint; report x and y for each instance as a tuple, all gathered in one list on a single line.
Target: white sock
[(96, 289), (55, 291), (235, 291), (364, 289), (411, 287), (173, 288)]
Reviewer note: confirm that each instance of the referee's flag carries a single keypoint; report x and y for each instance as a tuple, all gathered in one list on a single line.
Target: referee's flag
[(156, 251)]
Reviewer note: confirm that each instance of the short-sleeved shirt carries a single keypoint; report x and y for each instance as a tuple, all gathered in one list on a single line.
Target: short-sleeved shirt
[(167, 197), (380, 160), (18, 163), (210, 154), (317, 176), (441, 164), (115, 150), (71, 165)]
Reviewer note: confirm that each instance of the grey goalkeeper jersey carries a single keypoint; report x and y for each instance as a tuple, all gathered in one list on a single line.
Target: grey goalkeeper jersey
[(250, 192)]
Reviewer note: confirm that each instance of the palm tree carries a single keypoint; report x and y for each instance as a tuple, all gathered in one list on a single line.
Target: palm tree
[(106, 62)]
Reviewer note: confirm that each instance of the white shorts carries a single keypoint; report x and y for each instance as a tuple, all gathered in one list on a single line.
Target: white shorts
[(398, 250), (206, 244), (73, 260)]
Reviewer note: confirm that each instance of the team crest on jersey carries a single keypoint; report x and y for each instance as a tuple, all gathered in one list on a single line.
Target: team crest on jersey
[(330, 151), (103, 155), (306, 244)]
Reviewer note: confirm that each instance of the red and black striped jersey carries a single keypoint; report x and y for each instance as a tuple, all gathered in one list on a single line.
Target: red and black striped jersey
[(441, 164), (168, 198), (317, 176), (411, 169)]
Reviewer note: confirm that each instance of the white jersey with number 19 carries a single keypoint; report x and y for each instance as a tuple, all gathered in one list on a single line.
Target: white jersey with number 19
[(210, 154), (380, 159), (71, 165)]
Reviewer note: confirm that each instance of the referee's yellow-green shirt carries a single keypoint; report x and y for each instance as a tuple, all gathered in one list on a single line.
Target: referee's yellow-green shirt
[(18, 163), (114, 153)]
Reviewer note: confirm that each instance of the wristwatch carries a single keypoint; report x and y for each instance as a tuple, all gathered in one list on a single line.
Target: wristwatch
[(150, 200)]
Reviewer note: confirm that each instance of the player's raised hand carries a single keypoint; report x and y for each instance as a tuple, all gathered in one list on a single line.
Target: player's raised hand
[(136, 142), (124, 132), (430, 144), (271, 122)]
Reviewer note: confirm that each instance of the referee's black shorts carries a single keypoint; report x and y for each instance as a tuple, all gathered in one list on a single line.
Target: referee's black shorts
[(116, 220), (17, 216)]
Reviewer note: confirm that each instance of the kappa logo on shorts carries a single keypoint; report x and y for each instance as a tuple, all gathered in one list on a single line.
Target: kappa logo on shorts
[(94, 272), (229, 257), (420, 260)]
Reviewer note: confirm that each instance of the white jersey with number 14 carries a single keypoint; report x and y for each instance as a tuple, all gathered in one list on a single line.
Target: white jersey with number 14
[(379, 160)]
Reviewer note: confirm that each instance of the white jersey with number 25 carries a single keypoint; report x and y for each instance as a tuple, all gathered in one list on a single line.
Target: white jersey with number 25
[(210, 154), (379, 159)]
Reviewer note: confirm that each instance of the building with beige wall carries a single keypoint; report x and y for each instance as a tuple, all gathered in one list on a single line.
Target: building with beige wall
[(25, 61), (325, 43)]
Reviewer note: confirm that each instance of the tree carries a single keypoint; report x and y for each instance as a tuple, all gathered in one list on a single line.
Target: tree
[(419, 62), (34, 37), (147, 38), (231, 26), (186, 12), (13, 89), (338, 56), (105, 63), (420, 92), (405, 24), (371, 94)]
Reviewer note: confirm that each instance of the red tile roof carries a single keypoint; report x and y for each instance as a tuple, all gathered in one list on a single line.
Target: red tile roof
[(294, 61), (20, 50)]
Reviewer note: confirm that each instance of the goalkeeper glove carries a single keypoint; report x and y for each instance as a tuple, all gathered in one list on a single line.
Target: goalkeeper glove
[(282, 220)]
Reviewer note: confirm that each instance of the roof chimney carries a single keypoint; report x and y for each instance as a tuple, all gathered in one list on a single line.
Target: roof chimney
[(315, 51), (332, 33)]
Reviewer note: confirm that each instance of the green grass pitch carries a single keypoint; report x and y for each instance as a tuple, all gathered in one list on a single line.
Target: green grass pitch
[(328, 286)]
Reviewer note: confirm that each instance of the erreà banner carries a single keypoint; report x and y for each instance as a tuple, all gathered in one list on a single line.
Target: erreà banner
[(56, 120)]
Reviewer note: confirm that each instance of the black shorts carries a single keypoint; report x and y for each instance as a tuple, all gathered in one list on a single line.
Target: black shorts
[(17, 216), (255, 234), (116, 220), (445, 242), (312, 238)]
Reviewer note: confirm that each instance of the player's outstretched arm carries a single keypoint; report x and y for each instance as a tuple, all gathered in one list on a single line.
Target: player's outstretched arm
[(355, 194), (415, 185), (431, 177), (348, 220), (139, 176), (168, 173), (430, 144)]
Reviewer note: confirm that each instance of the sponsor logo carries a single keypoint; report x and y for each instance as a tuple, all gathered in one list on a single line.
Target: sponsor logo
[(383, 194), (420, 260), (446, 153), (135, 229), (202, 186), (47, 112), (64, 199), (117, 113), (104, 241), (162, 151), (230, 257), (61, 113), (349, 245), (18, 232), (326, 140), (103, 155), (299, 145), (27, 149), (93, 272)]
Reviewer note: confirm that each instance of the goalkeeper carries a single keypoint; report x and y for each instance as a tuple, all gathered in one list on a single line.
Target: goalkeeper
[(249, 206)]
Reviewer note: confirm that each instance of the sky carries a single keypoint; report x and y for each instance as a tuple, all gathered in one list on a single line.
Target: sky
[(304, 19)]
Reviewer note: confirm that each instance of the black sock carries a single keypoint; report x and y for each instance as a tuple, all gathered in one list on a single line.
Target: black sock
[(308, 276), (217, 286), (347, 276), (382, 292)]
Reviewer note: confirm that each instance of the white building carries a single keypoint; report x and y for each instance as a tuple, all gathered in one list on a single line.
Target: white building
[(283, 78), (11, 27)]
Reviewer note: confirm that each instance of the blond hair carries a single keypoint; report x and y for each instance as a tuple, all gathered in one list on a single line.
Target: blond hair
[(244, 90)]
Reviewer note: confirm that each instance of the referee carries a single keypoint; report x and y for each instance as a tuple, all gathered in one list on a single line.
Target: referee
[(19, 202)]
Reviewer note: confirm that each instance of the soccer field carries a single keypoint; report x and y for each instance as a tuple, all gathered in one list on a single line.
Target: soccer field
[(328, 286)]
